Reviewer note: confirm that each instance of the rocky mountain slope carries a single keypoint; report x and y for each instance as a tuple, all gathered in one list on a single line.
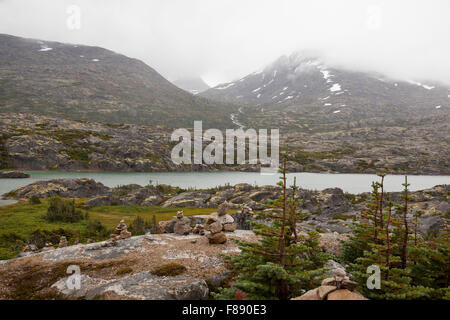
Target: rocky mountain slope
[(30, 141), (91, 83), (302, 92), (192, 85)]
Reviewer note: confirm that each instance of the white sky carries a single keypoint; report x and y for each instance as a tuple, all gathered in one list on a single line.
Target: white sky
[(221, 40)]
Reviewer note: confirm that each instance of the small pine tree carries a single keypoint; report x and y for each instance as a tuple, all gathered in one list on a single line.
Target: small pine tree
[(411, 268), (364, 230), (283, 263)]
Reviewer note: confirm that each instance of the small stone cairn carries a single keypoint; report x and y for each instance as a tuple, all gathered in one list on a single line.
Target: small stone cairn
[(181, 227), (30, 248), (62, 242), (121, 232), (220, 221), (339, 287), (224, 218), (216, 236)]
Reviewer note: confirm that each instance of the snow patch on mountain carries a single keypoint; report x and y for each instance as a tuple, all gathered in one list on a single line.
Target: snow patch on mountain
[(225, 86), (335, 87)]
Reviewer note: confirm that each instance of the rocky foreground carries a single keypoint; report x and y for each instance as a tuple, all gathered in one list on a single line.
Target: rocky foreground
[(331, 210), (125, 268), (42, 143)]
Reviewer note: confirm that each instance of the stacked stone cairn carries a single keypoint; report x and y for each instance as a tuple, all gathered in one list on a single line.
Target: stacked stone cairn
[(224, 218), (220, 221), (339, 287), (62, 242), (216, 236), (181, 227), (120, 232)]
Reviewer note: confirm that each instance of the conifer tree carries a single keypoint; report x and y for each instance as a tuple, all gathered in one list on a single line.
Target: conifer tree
[(411, 268), (283, 263)]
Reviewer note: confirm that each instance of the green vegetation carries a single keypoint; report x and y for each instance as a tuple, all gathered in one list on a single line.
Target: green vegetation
[(141, 226), (63, 211), (34, 200), (25, 223), (170, 269), (124, 270), (412, 266), (283, 262)]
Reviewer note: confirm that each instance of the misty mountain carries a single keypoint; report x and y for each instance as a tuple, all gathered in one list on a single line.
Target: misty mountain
[(192, 85), (308, 89), (91, 83)]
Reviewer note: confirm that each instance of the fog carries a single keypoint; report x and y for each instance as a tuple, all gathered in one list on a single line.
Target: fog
[(221, 40)]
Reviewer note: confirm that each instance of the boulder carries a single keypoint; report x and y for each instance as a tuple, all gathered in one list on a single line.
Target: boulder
[(181, 228), (13, 175), (309, 295), (243, 219), (217, 238), (152, 200), (188, 199), (344, 294), (213, 226), (223, 219), (99, 201), (65, 188), (222, 209), (323, 291), (243, 187), (140, 286), (229, 227)]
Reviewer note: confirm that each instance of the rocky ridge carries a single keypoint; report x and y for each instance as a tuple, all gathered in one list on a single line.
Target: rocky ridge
[(34, 142)]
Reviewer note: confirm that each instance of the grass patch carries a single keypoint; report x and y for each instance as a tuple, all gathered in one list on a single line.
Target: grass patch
[(22, 223), (342, 217), (110, 216), (124, 270), (170, 269)]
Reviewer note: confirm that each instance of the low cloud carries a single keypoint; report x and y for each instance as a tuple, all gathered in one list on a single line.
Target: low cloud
[(222, 40)]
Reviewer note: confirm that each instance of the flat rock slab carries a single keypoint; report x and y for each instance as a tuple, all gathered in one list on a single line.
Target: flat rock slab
[(140, 286), (95, 250)]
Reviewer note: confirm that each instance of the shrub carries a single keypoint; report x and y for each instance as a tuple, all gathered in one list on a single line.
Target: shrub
[(141, 226), (95, 229), (170, 269), (63, 211), (34, 200)]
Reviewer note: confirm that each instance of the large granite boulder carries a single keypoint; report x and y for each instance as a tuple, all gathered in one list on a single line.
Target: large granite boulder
[(66, 188), (13, 175), (188, 199), (140, 286)]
